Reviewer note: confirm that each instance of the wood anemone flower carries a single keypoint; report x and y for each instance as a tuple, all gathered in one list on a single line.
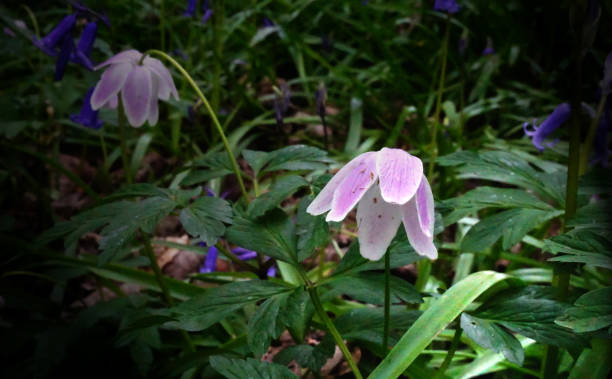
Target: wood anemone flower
[(390, 187), (141, 81)]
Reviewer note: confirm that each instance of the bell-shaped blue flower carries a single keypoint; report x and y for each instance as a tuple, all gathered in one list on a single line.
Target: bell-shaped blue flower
[(87, 117), (540, 132), (488, 50), (191, 8), (50, 43), (83, 49), (449, 6), (210, 262)]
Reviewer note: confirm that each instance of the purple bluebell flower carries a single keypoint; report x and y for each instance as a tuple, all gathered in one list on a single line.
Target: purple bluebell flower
[(83, 49), (208, 12), (210, 262), (271, 271), (540, 132), (9, 32), (181, 54), (191, 8), (51, 41), (63, 56), (142, 81), (244, 254), (449, 6), (488, 50), (281, 103), (87, 117), (267, 23)]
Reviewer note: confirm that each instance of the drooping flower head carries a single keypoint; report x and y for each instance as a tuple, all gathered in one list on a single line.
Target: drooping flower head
[(141, 81), (191, 8), (390, 188), (281, 103), (210, 262), (190, 11), (208, 12), (449, 6), (87, 117), (540, 132)]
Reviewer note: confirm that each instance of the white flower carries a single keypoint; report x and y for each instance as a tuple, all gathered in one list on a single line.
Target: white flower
[(390, 187), (141, 83)]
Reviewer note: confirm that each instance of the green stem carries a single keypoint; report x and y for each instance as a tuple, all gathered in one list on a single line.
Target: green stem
[(451, 353), (434, 134), (212, 114), (123, 141), (159, 277), (333, 331), (424, 269), (387, 302)]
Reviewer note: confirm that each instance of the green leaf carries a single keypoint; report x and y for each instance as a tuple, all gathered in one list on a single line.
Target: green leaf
[(366, 324), (369, 286), (311, 357), (512, 224), (401, 254), (493, 197), (490, 336), (272, 235), (205, 218), (531, 311), (592, 311), (582, 246), (312, 231), (264, 324), (279, 191), (249, 368), (140, 150), (594, 363), (296, 158), (255, 159), (297, 313), (262, 34), (440, 313), (203, 311)]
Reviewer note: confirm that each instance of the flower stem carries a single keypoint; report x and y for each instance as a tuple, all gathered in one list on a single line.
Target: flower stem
[(451, 352), (123, 140), (213, 116), (434, 134), (312, 291), (387, 302), (159, 277)]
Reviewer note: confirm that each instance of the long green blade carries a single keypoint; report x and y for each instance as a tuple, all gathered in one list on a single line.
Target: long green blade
[(433, 321)]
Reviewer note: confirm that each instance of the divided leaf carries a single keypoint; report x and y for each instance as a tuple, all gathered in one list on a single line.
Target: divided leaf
[(491, 336), (249, 368), (282, 189), (205, 218)]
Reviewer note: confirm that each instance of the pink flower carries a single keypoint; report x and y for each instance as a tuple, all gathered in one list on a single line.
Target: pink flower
[(141, 83), (390, 187)]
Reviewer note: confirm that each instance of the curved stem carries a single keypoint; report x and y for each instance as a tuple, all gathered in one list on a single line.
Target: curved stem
[(451, 353), (387, 302), (213, 116), (434, 134), (312, 291)]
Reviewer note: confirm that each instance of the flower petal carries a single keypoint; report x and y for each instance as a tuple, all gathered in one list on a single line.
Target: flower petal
[(112, 102), (128, 56), (357, 181), (109, 85), (323, 202), (377, 221), (421, 243), (399, 174), (166, 84), (425, 207), (153, 106), (136, 95)]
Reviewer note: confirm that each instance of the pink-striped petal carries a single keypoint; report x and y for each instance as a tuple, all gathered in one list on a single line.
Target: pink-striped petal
[(399, 175), (377, 221), (128, 56), (136, 95), (421, 242), (359, 179), (153, 106), (109, 85), (323, 202), (425, 207), (166, 84)]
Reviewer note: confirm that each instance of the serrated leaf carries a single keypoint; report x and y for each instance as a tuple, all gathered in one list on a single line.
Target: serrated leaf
[(272, 235), (255, 159), (369, 286), (279, 191), (205, 218), (591, 311), (582, 246), (311, 357), (312, 231), (297, 313), (490, 336), (205, 310), (249, 368), (492, 197), (265, 325), (297, 157), (512, 224)]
